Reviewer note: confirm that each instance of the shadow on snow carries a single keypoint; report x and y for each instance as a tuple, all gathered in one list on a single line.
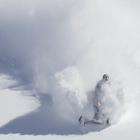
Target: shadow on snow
[(45, 121)]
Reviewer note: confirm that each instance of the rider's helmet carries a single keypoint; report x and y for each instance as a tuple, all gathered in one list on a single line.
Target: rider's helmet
[(105, 77)]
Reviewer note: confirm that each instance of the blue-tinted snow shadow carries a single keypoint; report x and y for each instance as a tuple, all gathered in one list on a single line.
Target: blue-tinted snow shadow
[(45, 121)]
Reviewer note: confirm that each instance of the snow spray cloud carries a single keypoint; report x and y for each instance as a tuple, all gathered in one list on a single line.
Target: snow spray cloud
[(62, 48)]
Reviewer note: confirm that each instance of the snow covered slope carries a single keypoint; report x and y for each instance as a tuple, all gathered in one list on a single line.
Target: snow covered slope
[(52, 54), (18, 115)]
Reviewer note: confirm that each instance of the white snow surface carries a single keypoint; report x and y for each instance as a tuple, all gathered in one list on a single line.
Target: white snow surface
[(52, 54)]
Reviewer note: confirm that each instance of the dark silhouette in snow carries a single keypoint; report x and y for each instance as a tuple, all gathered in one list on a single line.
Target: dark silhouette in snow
[(99, 116), (98, 99)]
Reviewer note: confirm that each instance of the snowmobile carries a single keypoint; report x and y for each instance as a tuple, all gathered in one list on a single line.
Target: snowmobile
[(99, 117)]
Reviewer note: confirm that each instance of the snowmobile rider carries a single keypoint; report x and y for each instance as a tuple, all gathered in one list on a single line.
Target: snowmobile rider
[(98, 101), (98, 97), (101, 82)]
